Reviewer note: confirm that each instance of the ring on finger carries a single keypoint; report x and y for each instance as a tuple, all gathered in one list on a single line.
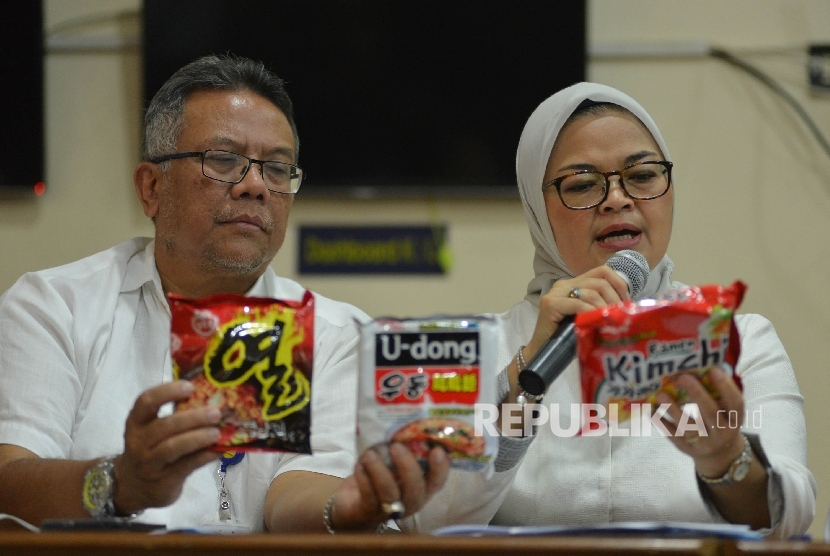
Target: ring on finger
[(393, 510), (574, 293)]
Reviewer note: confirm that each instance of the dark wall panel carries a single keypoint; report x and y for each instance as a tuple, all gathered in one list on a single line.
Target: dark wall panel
[(392, 97), (21, 98)]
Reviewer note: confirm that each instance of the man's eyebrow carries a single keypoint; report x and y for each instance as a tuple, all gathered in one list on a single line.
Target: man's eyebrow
[(225, 142), (230, 144), (283, 151)]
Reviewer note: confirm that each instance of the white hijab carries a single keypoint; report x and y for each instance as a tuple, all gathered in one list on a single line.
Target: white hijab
[(535, 145)]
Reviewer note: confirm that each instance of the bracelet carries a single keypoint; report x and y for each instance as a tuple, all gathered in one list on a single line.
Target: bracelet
[(327, 515), (523, 398), (520, 359)]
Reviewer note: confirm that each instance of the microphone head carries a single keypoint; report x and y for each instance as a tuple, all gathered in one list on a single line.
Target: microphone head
[(633, 267)]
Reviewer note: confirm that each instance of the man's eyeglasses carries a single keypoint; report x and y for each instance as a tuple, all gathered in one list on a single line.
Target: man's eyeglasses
[(586, 189), (228, 167)]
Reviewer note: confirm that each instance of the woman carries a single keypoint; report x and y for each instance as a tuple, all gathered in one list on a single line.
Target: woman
[(755, 475)]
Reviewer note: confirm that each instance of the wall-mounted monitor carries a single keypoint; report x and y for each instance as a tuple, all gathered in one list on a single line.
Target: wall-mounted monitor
[(21, 100), (392, 97)]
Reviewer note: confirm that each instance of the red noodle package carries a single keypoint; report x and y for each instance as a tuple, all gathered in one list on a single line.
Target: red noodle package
[(630, 352), (420, 380), (251, 358)]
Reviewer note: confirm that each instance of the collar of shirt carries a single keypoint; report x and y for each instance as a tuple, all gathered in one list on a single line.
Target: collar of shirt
[(141, 270)]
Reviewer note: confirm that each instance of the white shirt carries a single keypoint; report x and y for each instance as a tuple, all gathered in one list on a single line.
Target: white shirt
[(80, 342), (594, 480)]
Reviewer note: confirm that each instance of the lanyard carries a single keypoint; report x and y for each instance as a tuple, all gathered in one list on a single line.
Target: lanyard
[(229, 459)]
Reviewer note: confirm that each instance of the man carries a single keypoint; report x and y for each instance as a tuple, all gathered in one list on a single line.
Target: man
[(85, 371)]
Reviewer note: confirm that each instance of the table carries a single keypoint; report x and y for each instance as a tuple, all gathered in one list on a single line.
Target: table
[(188, 544)]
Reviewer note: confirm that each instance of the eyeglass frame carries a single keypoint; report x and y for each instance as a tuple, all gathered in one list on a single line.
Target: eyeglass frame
[(558, 181), (251, 162)]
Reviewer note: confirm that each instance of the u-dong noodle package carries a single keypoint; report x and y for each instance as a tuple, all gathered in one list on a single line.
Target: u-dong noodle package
[(630, 352), (251, 358), (419, 382)]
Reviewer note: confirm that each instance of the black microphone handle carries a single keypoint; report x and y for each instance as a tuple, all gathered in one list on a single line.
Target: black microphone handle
[(551, 360)]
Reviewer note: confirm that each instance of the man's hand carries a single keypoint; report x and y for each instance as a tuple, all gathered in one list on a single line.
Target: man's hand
[(359, 499), (160, 452), (296, 499), (158, 456)]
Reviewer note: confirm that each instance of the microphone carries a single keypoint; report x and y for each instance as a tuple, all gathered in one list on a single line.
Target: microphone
[(560, 349)]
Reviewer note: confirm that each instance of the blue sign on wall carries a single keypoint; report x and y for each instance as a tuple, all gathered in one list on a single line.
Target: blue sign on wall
[(373, 250)]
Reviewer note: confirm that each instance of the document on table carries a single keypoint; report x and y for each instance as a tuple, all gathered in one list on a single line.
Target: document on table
[(624, 528)]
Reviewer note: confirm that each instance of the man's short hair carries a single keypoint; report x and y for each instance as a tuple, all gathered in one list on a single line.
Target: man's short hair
[(163, 119)]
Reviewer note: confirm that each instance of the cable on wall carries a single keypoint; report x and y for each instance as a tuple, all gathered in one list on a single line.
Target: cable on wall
[(722, 54)]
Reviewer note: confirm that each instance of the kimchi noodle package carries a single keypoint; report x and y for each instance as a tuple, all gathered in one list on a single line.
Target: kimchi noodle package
[(419, 382), (251, 358), (630, 352)]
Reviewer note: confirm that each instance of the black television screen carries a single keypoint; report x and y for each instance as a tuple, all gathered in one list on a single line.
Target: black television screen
[(21, 100), (391, 97)]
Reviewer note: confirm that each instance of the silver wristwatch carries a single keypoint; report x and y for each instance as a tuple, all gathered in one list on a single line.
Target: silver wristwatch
[(737, 470), (98, 494)]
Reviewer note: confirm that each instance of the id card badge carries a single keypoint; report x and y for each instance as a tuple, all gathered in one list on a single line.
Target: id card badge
[(226, 520)]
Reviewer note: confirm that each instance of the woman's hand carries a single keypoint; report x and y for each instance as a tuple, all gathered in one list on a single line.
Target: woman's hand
[(719, 445), (362, 499), (719, 418), (598, 287)]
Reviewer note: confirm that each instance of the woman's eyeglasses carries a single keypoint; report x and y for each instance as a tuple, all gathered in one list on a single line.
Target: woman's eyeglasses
[(586, 189)]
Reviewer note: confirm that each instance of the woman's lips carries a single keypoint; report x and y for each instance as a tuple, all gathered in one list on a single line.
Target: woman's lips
[(619, 237)]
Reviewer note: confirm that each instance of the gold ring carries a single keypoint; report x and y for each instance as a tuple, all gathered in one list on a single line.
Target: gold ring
[(574, 293)]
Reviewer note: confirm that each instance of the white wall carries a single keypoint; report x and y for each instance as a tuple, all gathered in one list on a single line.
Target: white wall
[(753, 188)]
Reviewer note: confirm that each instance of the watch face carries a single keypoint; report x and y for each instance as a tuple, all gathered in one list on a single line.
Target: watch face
[(97, 490), (741, 470)]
